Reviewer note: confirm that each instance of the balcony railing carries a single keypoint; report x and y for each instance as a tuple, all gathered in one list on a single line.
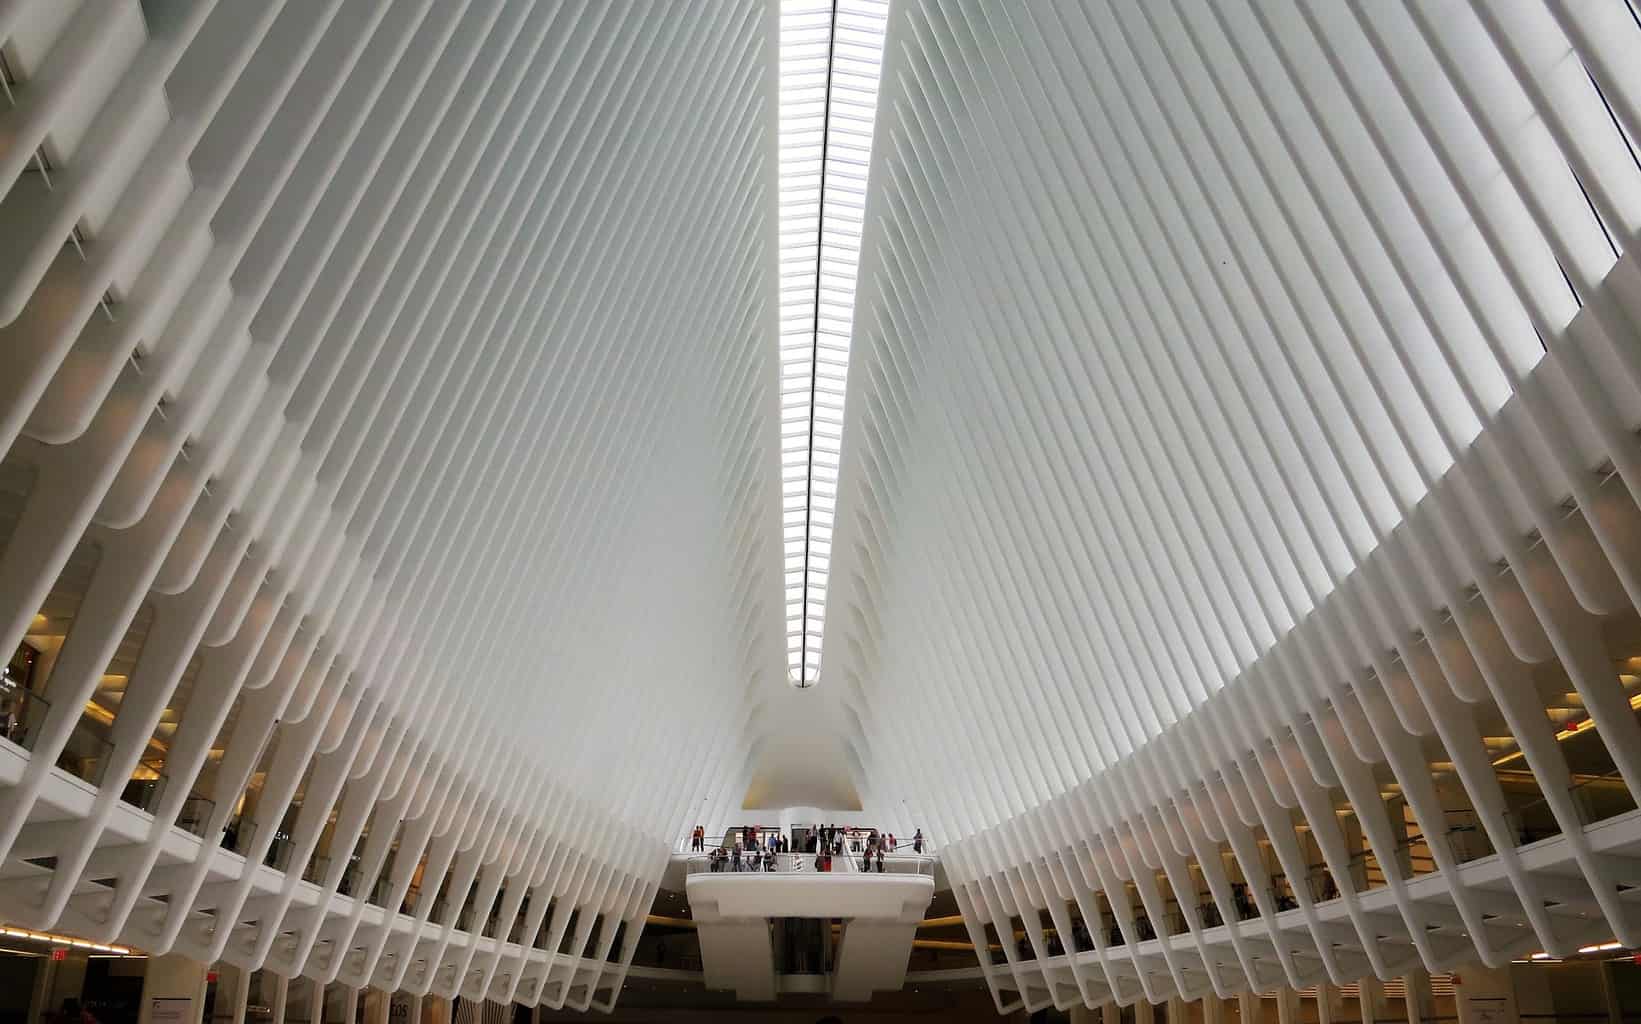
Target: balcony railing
[(793, 863)]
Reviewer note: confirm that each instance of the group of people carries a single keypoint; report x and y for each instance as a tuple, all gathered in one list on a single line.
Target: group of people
[(877, 845), (755, 849), (738, 858), (828, 841), (758, 849), (834, 840), (747, 838)]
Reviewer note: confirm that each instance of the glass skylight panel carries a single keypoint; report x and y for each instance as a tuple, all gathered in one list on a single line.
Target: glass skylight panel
[(831, 52)]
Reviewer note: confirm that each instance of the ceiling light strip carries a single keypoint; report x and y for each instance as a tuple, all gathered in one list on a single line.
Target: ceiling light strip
[(830, 57)]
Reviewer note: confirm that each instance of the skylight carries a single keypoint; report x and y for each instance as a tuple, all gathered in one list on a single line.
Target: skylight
[(831, 51)]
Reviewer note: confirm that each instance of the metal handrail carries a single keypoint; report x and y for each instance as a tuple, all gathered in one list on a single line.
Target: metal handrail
[(725, 840), (784, 863), (798, 863)]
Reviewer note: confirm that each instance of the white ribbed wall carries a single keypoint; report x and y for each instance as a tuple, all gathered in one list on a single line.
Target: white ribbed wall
[(1174, 449), (409, 379), (1240, 441)]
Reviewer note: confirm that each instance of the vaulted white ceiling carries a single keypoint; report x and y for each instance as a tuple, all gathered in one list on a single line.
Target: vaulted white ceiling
[(555, 424)]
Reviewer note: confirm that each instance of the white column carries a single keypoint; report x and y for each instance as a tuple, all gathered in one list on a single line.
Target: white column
[(1248, 1007), (281, 991), (173, 977), (301, 1002), (233, 994), (1287, 1006), (1371, 998), (1213, 1009), (1329, 1004), (1421, 1001)]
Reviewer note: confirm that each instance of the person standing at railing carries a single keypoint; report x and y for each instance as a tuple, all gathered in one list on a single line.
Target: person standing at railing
[(880, 860), (917, 841)]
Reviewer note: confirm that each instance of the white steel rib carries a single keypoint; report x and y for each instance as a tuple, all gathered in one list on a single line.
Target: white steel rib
[(390, 425), (413, 414)]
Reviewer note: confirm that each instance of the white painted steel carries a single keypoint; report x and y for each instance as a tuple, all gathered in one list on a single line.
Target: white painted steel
[(1241, 441), (1235, 530), (389, 406)]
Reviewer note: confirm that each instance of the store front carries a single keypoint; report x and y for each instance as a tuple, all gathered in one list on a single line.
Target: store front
[(55, 979)]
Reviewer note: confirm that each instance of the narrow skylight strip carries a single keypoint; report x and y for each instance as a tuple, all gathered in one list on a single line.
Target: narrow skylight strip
[(831, 52)]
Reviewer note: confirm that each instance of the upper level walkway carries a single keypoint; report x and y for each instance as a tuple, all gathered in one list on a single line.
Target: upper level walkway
[(879, 913), (321, 929)]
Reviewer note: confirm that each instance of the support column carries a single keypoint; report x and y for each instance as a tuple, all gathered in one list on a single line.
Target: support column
[(435, 1010), (1421, 1000), (1111, 1013), (1213, 1009), (1083, 1015), (304, 999), (39, 1006), (1371, 997), (233, 994), (281, 993), (1330, 1004), (378, 1006), (1287, 1006), (1609, 993), (1144, 1012), (1247, 1004), (1179, 1011), (173, 977)]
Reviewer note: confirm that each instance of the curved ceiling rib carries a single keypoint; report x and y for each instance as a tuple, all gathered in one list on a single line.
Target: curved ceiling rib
[(378, 376), (1229, 383), (1230, 537)]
